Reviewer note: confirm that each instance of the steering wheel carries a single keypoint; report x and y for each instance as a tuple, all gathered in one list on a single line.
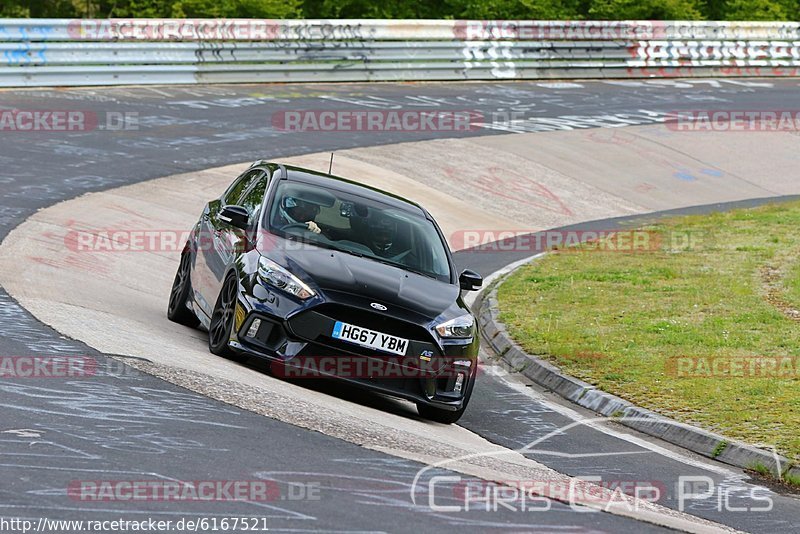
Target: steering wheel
[(295, 225)]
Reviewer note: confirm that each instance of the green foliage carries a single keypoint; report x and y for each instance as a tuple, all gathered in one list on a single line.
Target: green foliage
[(236, 8), (757, 10), (37, 8), (411, 9), (134, 8), (371, 9), (15, 10), (124, 8), (151, 8), (519, 9), (647, 10)]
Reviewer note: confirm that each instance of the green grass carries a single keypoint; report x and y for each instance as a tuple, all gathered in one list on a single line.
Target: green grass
[(761, 469), (792, 480), (614, 319), (719, 449)]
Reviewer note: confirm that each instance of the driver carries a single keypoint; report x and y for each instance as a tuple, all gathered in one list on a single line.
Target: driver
[(293, 210)]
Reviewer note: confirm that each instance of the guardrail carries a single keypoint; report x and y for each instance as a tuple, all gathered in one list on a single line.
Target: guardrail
[(60, 52)]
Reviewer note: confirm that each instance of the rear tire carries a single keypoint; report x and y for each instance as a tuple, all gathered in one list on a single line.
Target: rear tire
[(221, 326), (178, 311)]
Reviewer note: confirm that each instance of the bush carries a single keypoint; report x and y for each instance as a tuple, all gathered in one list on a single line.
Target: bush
[(412, 9)]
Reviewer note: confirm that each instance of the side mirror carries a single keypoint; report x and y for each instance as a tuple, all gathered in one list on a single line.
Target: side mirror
[(236, 216), (470, 280)]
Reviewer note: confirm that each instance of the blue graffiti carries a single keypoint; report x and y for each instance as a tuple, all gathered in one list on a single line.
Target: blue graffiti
[(43, 30), (22, 50), (16, 57), (685, 175), (22, 55), (35, 31)]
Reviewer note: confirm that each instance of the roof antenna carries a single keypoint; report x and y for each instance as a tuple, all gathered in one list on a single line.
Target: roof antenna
[(330, 166)]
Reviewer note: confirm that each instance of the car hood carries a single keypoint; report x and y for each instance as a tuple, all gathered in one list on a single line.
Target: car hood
[(334, 271)]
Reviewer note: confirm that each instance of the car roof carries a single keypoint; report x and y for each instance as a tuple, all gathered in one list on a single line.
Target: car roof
[(301, 174)]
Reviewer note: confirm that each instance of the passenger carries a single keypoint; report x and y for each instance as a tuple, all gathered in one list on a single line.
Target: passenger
[(383, 239)]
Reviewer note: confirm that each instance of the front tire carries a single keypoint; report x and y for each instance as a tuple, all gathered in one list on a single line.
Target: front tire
[(438, 415), (446, 417), (221, 326), (178, 311)]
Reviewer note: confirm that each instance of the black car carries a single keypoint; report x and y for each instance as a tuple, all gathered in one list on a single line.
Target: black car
[(328, 277)]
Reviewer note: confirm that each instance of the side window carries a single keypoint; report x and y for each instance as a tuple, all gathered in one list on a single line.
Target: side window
[(255, 195), (235, 191)]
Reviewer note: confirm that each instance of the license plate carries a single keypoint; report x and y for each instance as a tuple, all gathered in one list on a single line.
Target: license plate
[(369, 338)]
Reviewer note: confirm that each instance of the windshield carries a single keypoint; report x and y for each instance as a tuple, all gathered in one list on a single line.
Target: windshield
[(359, 226)]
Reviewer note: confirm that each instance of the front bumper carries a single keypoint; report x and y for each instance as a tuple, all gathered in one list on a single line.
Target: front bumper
[(432, 372)]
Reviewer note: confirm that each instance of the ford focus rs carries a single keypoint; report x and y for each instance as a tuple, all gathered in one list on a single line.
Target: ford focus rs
[(328, 277)]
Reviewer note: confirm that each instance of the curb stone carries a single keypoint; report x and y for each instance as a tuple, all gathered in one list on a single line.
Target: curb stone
[(794, 472), (547, 375)]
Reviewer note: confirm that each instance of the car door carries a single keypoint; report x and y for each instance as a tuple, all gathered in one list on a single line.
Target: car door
[(214, 250), (234, 241), (253, 198)]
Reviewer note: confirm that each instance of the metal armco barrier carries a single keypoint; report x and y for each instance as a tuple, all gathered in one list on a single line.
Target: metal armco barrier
[(43, 52)]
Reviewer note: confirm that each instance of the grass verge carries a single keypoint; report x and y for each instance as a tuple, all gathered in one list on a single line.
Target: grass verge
[(703, 328)]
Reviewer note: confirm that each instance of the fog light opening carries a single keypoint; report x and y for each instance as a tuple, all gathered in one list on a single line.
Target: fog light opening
[(459, 383), (254, 326)]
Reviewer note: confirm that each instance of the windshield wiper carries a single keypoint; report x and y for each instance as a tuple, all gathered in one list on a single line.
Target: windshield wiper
[(401, 266), (385, 262), (351, 252), (417, 271)]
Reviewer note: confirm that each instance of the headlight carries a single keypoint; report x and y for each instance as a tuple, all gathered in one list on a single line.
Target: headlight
[(460, 327), (276, 276)]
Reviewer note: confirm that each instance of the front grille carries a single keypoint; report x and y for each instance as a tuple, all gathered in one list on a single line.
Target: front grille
[(375, 321), (400, 378), (316, 326)]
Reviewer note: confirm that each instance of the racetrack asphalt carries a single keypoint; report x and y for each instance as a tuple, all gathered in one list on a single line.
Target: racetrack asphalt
[(131, 426)]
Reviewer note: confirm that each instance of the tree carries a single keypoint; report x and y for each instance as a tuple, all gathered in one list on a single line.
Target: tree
[(268, 9), (38, 8), (518, 9), (646, 10), (374, 9), (411, 9), (757, 10)]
